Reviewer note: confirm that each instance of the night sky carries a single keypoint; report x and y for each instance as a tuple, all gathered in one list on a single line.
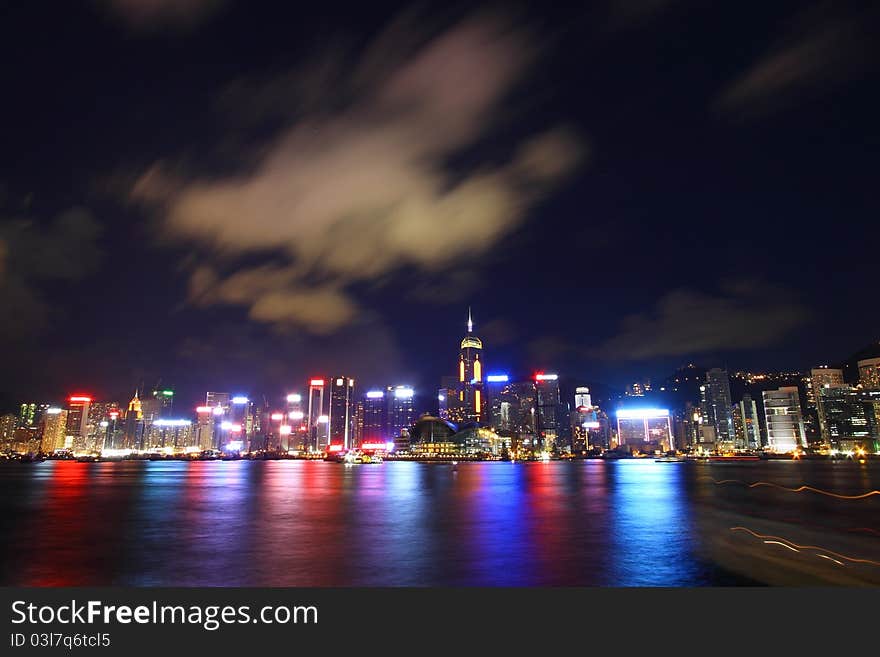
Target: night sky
[(237, 196)]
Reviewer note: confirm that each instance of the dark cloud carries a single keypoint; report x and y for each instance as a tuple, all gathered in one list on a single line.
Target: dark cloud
[(35, 255), (156, 14), (824, 46), (685, 322), (350, 195)]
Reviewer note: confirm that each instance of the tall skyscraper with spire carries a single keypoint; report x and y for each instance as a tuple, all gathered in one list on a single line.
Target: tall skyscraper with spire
[(471, 392)]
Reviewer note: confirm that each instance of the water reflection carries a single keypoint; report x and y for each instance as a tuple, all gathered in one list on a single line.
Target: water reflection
[(299, 523)]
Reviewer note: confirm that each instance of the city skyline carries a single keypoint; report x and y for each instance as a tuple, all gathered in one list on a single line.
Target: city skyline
[(476, 412)]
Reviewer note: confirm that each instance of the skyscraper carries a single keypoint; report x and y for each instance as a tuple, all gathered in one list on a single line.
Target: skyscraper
[(316, 414), (78, 421), (785, 422), (401, 412), (204, 429), (869, 373), (164, 402), (472, 396), (341, 411), (750, 438), (547, 409), (54, 425), (582, 397), (823, 377), (852, 418), (717, 407), (31, 413), (375, 422), (221, 399)]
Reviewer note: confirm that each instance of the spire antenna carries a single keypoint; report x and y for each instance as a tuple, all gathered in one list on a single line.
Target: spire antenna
[(470, 321)]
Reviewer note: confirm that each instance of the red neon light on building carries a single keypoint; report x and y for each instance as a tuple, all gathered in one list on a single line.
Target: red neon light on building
[(316, 382), (80, 398)]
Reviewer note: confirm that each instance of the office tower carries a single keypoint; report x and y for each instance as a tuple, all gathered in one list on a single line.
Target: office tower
[(31, 414), (204, 429), (686, 426), (240, 416), (498, 395), (164, 402), (218, 399), (375, 422), (78, 421), (852, 416), (869, 373), (785, 422), (717, 407), (749, 433), (134, 424), (358, 436), (8, 425), (471, 398), (582, 397), (583, 419), (114, 436), (315, 411), (401, 414), (547, 408), (823, 377), (98, 425), (297, 440), (450, 400), (341, 411), (171, 435), (54, 425), (294, 409), (645, 429)]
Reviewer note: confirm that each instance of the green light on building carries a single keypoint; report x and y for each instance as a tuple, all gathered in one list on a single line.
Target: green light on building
[(168, 393)]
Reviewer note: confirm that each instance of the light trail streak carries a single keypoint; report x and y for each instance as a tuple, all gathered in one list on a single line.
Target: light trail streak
[(792, 544), (825, 556), (785, 545), (801, 489)]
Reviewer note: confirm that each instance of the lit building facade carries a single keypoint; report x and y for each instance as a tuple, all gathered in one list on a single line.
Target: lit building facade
[(547, 409), (54, 425), (823, 377), (869, 373), (171, 435), (342, 411), (717, 407), (851, 416), (785, 422), (471, 388), (401, 411), (645, 429), (374, 418), (77, 429), (317, 420)]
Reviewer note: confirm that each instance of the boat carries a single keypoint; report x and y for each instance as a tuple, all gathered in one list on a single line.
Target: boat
[(670, 459)]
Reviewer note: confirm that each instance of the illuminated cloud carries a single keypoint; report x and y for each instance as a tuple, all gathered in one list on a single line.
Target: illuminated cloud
[(351, 195), (690, 322)]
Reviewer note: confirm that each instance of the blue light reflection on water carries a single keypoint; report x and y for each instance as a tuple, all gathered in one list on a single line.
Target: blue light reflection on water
[(652, 539)]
